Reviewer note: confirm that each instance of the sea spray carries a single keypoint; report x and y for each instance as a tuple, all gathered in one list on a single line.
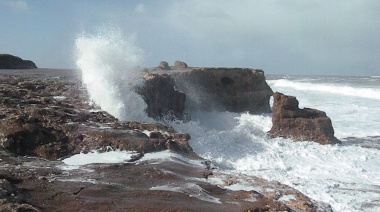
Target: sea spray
[(108, 63), (347, 177)]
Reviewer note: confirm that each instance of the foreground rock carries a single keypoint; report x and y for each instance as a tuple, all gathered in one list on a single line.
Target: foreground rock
[(209, 89), (52, 118), (289, 121), (8, 61), (153, 185), (47, 114)]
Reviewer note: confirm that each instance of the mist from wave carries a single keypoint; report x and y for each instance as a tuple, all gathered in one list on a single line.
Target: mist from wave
[(108, 60), (347, 177)]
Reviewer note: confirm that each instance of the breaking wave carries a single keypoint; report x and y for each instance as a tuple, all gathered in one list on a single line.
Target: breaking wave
[(347, 177), (369, 93), (108, 63)]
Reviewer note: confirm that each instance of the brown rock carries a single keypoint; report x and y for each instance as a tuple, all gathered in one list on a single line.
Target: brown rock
[(164, 65), (58, 120), (289, 121), (180, 64), (12, 199), (44, 122), (163, 99), (224, 89)]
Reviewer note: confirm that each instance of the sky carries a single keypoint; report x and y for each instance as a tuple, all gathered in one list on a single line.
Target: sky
[(318, 37)]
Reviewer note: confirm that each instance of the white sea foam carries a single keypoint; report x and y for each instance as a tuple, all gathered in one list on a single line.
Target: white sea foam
[(97, 157), (107, 60), (344, 176), (370, 93), (347, 177), (352, 116)]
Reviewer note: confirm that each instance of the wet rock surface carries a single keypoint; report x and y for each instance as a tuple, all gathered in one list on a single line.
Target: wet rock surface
[(46, 115), (289, 121), (52, 118)]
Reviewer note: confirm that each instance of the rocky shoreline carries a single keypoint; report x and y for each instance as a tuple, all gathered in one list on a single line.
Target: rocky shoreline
[(46, 115)]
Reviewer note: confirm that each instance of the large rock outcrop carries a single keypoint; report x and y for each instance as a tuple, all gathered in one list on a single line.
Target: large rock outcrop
[(163, 100), (219, 89), (8, 61), (224, 89), (289, 121)]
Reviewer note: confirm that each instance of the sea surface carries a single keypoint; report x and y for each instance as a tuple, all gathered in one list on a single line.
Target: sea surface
[(346, 176)]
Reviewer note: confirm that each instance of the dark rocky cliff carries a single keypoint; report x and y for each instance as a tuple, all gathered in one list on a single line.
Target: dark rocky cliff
[(8, 61)]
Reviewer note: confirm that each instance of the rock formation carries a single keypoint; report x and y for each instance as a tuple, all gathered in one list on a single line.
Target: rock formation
[(180, 64), (52, 119), (164, 101), (8, 61), (221, 89), (48, 115), (289, 121), (164, 65)]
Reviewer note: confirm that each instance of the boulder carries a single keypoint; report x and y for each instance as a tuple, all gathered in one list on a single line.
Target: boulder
[(164, 65), (164, 101), (289, 121), (224, 89), (180, 64), (8, 61)]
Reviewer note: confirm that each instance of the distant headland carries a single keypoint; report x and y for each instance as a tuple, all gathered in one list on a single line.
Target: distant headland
[(8, 61)]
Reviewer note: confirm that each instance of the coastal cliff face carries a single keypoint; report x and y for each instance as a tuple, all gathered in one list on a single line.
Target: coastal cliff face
[(208, 89), (289, 121), (8, 61)]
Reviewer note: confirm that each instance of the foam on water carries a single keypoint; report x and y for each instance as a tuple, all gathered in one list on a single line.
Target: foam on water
[(345, 176), (354, 109), (370, 93)]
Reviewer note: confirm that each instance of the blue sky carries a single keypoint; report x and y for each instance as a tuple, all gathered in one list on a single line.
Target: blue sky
[(340, 37)]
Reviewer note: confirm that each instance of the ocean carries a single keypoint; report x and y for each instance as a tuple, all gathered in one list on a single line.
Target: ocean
[(346, 176)]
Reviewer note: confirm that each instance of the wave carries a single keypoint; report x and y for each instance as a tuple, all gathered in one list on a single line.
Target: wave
[(106, 60), (342, 176), (369, 93)]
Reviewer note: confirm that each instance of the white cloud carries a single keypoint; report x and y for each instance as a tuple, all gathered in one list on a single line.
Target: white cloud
[(17, 5)]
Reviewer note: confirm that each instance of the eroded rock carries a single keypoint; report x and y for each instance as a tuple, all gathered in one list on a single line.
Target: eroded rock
[(289, 121), (164, 101), (221, 89)]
